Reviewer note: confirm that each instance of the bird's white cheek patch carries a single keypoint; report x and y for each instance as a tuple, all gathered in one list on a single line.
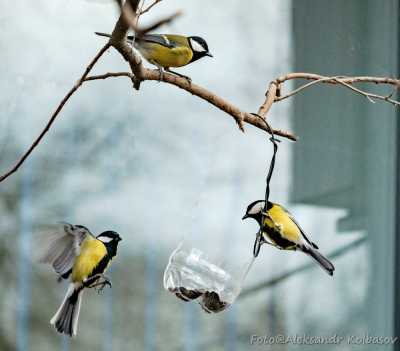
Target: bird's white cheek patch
[(105, 239), (257, 208), (196, 46)]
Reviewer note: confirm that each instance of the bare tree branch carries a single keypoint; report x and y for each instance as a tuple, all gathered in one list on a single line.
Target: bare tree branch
[(118, 41), (202, 93), (130, 15), (269, 100), (109, 75), (129, 12), (239, 115), (350, 80), (341, 80), (129, 19)]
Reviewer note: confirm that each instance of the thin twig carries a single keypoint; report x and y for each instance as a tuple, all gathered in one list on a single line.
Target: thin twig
[(128, 19), (269, 100), (159, 23), (370, 96), (342, 80), (148, 8), (55, 114), (130, 15), (351, 80), (112, 75), (305, 86), (109, 75)]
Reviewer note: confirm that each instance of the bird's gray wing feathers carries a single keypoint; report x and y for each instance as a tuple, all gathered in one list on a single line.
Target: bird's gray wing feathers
[(301, 229), (158, 39), (61, 246)]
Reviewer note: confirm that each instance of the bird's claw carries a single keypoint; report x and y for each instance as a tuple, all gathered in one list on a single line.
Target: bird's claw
[(99, 282), (100, 286)]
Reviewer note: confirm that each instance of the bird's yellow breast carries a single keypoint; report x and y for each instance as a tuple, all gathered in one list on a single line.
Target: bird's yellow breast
[(166, 57), (281, 220), (92, 251)]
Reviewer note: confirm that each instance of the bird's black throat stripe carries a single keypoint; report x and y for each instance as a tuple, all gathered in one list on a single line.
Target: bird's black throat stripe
[(102, 265)]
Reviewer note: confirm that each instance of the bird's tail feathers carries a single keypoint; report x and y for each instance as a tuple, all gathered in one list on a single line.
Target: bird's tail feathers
[(100, 34), (322, 260), (131, 39), (66, 318)]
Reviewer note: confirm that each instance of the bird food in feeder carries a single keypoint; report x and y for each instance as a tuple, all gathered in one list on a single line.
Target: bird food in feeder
[(190, 275)]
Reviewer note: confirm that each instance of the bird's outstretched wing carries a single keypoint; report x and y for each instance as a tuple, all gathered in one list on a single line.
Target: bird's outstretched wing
[(301, 229), (62, 245)]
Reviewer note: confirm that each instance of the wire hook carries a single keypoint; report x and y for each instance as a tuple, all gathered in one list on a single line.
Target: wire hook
[(259, 240)]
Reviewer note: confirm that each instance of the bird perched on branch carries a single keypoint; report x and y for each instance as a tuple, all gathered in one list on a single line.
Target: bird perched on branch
[(77, 255), (169, 50), (280, 229)]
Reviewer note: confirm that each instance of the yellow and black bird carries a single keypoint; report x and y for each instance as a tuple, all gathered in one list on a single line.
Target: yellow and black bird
[(169, 50), (279, 228), (77, 255)]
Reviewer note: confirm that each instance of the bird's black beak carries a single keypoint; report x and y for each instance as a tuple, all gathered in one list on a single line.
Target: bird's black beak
[(209, 55), (119, 239), (245, 216)]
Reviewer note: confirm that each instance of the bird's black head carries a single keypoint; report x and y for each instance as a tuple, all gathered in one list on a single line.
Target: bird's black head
[(110, 239), (254, 210), (199, 47)]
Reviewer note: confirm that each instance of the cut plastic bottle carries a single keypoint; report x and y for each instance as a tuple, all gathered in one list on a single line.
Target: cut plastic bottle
[(192, 276)]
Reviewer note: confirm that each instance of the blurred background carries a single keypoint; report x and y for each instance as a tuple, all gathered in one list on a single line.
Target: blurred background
[(161, 166)]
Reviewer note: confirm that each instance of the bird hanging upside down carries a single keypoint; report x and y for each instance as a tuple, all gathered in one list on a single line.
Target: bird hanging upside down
[(279, 228), (77, 255)]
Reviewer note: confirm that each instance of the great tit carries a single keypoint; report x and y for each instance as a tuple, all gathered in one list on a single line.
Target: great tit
[(279, 228), (169, 50), (77, 255)]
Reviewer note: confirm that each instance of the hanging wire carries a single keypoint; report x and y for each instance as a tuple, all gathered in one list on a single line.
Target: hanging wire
[(259, 238)]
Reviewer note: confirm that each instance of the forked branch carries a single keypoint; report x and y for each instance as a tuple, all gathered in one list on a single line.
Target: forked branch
[(130, 13), (345, 81)]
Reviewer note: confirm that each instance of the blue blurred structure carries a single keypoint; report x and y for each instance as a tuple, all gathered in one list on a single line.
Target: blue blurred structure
[(151, 297), (108, 319), (24, 264), (230, 317), (191, 327), (110, 187), (110, 146), (230, 329)]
